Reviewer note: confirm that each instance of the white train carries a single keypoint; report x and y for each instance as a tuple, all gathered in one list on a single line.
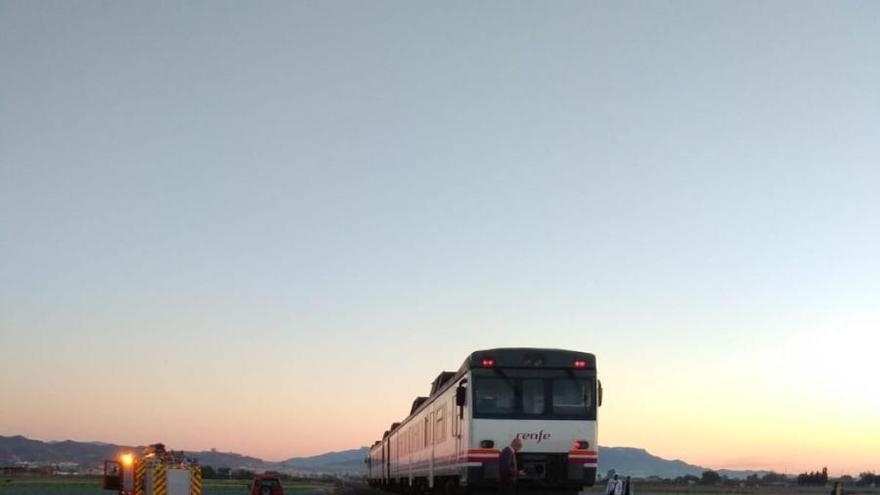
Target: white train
[(451, 441)]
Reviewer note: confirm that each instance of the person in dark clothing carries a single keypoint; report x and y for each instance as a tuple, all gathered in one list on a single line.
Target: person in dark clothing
[(627, 486), (508, 469)]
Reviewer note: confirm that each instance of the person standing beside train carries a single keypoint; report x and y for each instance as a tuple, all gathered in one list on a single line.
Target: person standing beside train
[(615, 486), (508, 470)]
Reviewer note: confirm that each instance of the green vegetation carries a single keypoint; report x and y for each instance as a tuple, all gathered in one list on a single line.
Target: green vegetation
[(647, 488), (51, 486), (92, 486)]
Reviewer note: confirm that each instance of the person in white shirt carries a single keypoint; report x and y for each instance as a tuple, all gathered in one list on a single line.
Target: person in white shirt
[(615, 486)]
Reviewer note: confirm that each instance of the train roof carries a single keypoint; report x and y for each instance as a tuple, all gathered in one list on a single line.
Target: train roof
[(416, 403), (441, 380), (528, 357)]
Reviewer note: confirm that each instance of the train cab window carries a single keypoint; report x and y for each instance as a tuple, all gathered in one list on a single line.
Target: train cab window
[(533, 396), (571, 397), (494, 396), (546, 394)]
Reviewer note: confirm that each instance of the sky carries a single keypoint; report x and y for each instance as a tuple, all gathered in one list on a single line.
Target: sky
[(265, 227)]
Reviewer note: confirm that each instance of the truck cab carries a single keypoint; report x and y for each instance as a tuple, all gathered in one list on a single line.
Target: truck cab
[(266, 484)]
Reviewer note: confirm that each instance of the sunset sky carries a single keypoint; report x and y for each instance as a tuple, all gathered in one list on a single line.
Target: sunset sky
[(265, 227)]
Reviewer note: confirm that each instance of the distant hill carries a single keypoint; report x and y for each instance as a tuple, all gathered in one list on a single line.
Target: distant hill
[(231, 460), (18, 449), (638, 462), (346, 461), (641, 463)]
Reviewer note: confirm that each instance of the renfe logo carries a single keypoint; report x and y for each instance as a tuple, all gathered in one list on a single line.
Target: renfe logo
[(533, 436)]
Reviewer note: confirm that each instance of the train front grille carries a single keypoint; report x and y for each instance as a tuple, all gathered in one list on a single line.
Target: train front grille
[(544, 467)]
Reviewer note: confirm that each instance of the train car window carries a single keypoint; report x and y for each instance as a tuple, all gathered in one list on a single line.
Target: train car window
[(494, 396), (533, 396), (438, 433)]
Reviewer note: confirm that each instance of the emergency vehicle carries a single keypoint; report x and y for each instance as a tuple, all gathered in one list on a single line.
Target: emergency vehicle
[(155, 472), (267, 484)]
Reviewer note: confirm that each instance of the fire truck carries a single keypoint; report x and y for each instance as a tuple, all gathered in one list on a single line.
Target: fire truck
[(155, 472)]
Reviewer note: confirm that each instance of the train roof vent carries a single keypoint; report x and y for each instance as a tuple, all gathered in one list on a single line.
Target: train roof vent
[(416, 403), (394, 426), (441, 380)]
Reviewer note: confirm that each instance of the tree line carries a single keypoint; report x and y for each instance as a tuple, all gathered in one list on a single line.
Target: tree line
[(225, 473), (869, 479), (815, 478)]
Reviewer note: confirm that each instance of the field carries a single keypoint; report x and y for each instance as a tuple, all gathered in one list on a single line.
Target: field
[(92, 486), (672, 489)]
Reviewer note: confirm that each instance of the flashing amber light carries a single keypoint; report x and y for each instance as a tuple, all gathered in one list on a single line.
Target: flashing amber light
[(580, 364), (127, 459), (488, 362)]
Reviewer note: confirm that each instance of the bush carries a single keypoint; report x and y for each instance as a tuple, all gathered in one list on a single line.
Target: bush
[(710, 478)]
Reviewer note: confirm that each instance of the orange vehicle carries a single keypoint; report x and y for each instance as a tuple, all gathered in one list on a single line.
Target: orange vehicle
[(266, 484)]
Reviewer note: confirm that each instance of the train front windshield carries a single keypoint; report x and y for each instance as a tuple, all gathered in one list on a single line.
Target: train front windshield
[(534, 394)]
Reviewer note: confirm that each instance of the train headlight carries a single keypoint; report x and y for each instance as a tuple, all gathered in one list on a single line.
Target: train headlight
[(127, 459), (581, 444), (487, 444), (580, 364)]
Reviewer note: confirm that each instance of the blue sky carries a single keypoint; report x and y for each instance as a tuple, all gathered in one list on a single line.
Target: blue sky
[(401, 183)]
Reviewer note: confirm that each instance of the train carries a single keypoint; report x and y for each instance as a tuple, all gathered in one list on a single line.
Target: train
[(450, 443)]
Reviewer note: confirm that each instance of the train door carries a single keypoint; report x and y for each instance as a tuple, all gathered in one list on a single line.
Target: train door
[(459, 422)]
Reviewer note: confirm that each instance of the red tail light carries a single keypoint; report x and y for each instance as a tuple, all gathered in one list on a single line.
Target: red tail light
[(580, 364), (488, 362)]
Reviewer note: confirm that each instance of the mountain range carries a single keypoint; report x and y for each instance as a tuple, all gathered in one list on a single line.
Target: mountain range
[(17, 450)]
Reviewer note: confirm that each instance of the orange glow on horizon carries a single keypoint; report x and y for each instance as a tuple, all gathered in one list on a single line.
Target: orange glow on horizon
[(743, 408)]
